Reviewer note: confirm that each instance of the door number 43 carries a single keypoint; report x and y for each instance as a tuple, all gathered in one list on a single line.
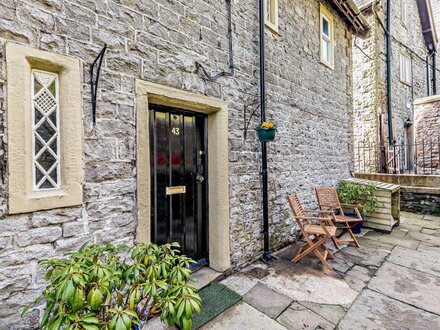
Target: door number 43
[(175, 130)]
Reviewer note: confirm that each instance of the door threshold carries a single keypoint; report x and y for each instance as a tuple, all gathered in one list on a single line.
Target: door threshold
[(205, 276)]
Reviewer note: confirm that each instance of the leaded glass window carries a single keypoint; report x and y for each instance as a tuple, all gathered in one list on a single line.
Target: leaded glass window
[(46, 135)]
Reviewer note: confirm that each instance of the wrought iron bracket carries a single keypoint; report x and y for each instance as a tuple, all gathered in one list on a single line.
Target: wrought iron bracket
[(247, 108), (199, 67), (253, 112), (95, 69)]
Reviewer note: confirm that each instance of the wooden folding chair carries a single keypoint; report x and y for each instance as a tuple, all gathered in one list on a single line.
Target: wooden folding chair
[(328, 200), (315, 234)]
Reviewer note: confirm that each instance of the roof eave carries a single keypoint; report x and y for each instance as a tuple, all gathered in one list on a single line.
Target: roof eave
[(428, 26), (354, 16)]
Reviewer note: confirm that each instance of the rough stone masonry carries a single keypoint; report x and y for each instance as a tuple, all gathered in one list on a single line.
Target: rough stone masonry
[(160, 41), (427, 133)]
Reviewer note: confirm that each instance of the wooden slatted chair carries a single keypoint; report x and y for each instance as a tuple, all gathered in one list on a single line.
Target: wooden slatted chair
[(328, 200), (315, 234)]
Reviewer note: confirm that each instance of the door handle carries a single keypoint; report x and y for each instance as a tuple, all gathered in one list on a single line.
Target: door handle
[(200, 178)]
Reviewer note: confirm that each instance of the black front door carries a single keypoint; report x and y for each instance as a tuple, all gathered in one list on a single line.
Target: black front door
[(178, 159)]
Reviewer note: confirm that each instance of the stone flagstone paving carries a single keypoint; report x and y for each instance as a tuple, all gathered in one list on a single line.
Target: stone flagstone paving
[(391, 282)]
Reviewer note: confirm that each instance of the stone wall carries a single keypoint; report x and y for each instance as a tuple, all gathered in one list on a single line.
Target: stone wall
[(370, 77), (427, 133), (420, 202), (367, 84), (160, 41)]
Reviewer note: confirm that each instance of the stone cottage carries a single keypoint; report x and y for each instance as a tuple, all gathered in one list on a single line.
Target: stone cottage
[(164, 156), (412, 76)]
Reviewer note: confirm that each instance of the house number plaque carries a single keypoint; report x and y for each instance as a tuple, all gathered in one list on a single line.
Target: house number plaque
[(175, 190)]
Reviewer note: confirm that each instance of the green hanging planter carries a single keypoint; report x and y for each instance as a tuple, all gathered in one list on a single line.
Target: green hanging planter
[(266, 135)]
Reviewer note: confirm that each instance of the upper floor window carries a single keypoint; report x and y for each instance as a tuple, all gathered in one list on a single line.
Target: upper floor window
[(404, 11), (45, 135), (327, 37), (405, 69), (271, 16)]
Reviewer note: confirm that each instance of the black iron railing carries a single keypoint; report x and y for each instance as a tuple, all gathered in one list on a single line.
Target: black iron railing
[(420, 157)]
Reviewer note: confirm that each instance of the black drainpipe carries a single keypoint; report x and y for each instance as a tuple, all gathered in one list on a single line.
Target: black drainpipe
[(266, 254), (428, 76), (434, 73), (388, 42)]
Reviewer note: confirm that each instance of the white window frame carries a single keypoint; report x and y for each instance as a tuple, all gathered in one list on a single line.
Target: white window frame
[(404, 12), (271, 14), (405, 69), (56, 126), (325, 14)]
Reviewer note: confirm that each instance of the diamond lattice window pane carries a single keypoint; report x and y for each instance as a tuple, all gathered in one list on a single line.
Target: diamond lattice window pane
[(37, 86), (46, 139), (45, 101), (46, 131), (46, 160), (54, 174), (39, 175), (52, 88), (53, 144), (37, 115), (45, 78), (53, 117), (38, 145), (47, 185)]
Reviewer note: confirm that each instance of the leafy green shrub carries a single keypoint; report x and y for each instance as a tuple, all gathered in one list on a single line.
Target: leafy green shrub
[(98, 288), (362, 195)]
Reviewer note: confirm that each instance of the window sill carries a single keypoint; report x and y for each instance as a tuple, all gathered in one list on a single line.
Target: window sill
[(47, 193), (405, 83), (328, 65), (272, 27)]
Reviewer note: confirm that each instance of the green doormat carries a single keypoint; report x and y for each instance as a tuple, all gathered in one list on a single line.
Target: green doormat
[(216, 298)]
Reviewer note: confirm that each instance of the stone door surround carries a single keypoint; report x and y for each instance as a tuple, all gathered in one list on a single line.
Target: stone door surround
[(218, 179)]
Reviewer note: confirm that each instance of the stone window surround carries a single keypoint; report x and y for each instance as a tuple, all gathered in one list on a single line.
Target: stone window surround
[(324, 13), (271, 6), (217, 112), (20, 61)]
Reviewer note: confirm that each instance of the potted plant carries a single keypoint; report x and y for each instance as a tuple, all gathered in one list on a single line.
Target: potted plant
[(113, 287), (266, 131), (362, 195)]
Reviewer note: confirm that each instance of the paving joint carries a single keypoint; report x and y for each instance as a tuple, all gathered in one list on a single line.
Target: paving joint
[(403, 302)]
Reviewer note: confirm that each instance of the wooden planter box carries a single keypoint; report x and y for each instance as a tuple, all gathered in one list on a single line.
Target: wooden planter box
[(387, 215)]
